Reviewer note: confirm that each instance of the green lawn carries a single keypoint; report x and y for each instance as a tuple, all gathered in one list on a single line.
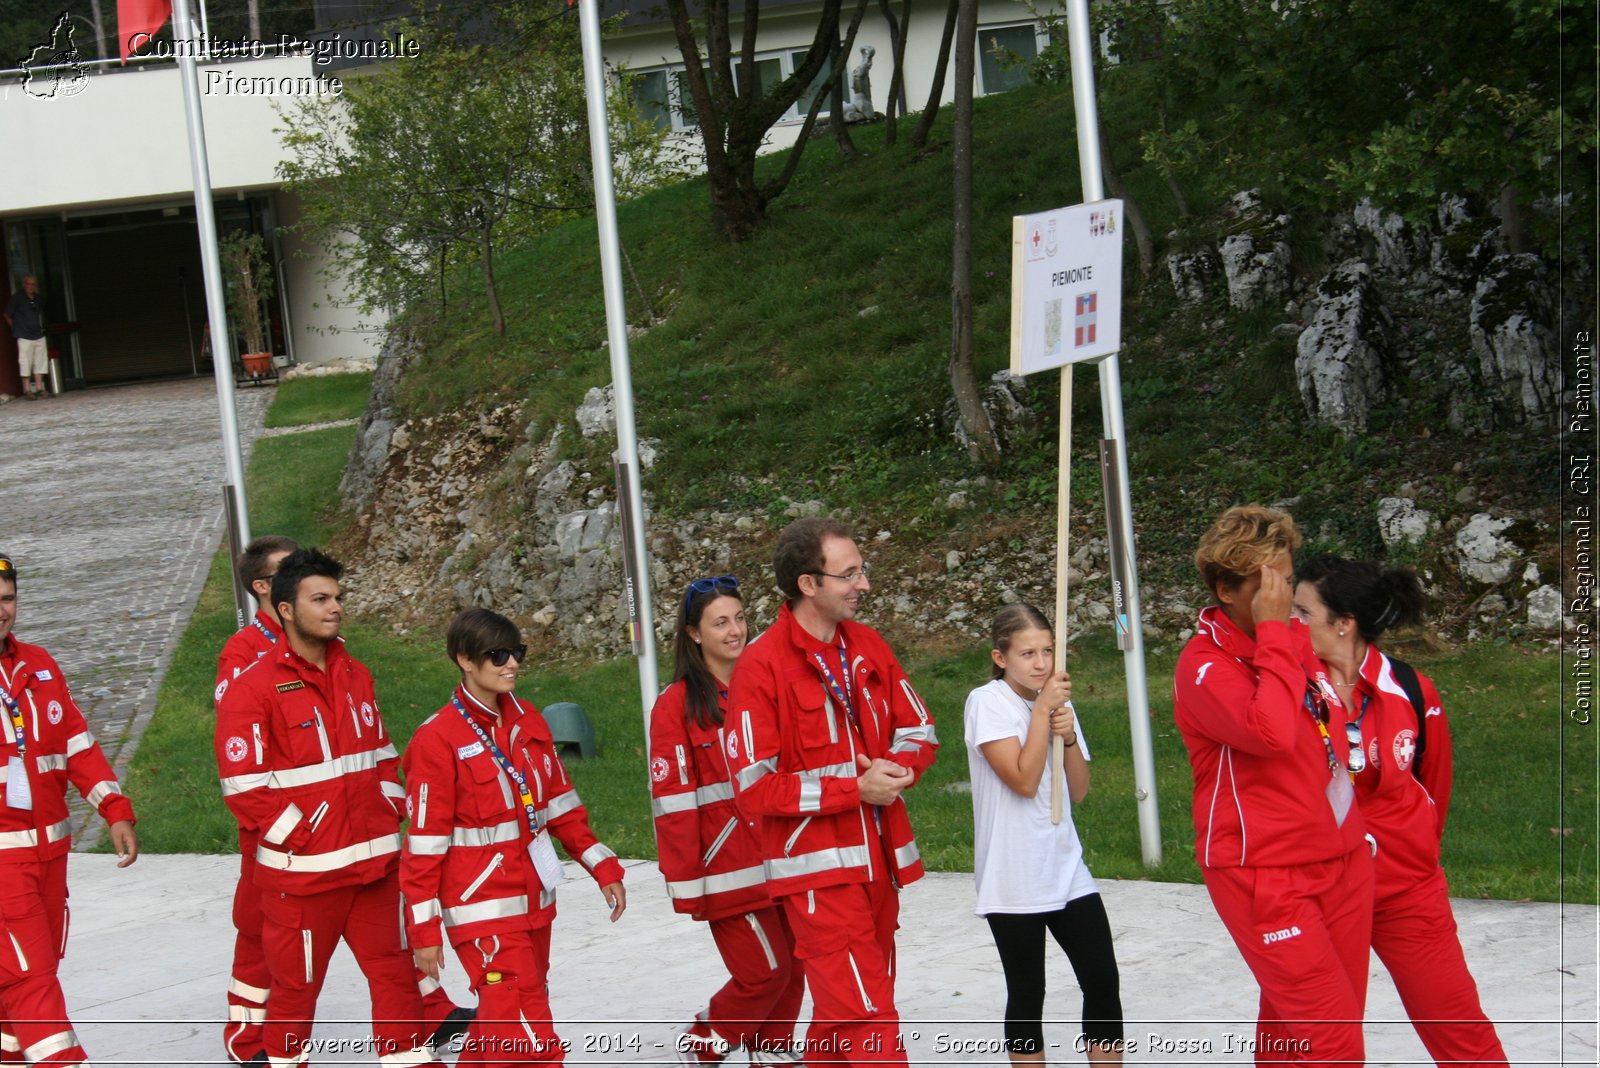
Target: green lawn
[(320, 399)]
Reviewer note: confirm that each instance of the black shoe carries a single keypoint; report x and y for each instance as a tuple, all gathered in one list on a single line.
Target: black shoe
[(259, 1058), (452, 1026)]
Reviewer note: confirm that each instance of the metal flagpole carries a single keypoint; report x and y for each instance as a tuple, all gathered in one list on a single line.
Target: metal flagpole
[(636, 563), (1130, 636), (211, 266)]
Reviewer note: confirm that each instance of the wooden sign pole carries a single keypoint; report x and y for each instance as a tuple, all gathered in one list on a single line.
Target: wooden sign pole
[(1058, 751)]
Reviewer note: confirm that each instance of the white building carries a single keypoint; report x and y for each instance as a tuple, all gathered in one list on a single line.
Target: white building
[(96, 198)]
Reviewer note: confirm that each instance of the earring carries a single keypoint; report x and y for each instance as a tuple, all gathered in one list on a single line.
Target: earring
[(1341, 634), (697, 641)]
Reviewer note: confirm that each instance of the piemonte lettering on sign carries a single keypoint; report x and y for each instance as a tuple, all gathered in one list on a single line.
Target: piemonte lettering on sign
[(1066, 286)]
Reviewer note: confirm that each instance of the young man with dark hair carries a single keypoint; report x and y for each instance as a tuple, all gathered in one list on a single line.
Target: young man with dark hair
[(308, 769), (824, 733), (44, 744), (255, 569)]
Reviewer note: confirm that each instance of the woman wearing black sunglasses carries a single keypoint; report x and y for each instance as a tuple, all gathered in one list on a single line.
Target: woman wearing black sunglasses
[(710, 856), (485, 793)]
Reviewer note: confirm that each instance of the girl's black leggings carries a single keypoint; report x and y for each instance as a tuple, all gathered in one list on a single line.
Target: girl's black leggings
[(1081, 929)]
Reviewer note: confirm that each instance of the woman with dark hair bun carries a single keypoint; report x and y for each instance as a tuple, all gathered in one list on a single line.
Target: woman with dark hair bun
[(1399, 752), (710, 855)]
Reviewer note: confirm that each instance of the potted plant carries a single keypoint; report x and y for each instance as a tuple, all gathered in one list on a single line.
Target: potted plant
[(244, 259)]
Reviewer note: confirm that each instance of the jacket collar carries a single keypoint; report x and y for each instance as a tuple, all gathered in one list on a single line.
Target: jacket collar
[(505, 709), (803, 640)]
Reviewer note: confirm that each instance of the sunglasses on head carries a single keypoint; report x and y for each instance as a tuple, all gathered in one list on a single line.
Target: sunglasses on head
[(6, 567), (710, 585), (498, 657)]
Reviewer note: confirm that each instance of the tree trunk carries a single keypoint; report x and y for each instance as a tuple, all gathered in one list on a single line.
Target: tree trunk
[(919, 136), (1172, 182), (897, 81), (982, 446), (254, 8), (836, 123), (486, 258), (1130, 208)]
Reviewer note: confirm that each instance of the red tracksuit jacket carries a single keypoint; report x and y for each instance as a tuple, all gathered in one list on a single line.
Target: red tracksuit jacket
[(59, 748), (793, 751), (710, 854), (1260, 765), (307, 767), (256, 639), (466, 865), (1406, 815)]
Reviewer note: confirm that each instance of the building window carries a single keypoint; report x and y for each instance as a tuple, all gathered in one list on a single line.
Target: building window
[(1004, 54), (663, 96)]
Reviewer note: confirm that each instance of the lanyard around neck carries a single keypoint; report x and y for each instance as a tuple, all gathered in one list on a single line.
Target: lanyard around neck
[(528, 807), (19, 729), (841, 694)]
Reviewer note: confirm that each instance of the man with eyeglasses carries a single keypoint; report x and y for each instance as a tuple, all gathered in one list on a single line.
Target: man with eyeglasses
[(825, 733), (44, 744), (309, 771)]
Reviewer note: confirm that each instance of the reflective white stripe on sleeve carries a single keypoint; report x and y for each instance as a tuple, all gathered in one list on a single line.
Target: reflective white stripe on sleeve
[(50, 762), (284, 825), (739, 879), (820, 861), (907, 855), (499, 908), (810, 792), (427, 845), (79, 742), (423, 911), (906, 739), (749, 776), (690, 800), (594, 855), (340, 766), (394, 789), (257, 994), (338, 858), (101, 791), (47, 1047), (9, 1043), (508, 831), (240, 784), (560, 805), (408, 1059)]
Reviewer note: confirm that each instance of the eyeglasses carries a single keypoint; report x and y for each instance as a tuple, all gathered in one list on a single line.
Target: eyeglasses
[(851, 577), (498, 657), (704, 586)]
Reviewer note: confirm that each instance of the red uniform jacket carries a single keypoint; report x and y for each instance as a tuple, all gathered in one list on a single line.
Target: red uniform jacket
[(307, 767), (710, 854), (1260, 766), (793, 751), (466, 862), (59, 748), (255, 640), (1404, 813)]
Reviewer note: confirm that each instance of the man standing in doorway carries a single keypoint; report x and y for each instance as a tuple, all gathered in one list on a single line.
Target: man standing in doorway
[(25, 317), (308, 769), (825, 732)]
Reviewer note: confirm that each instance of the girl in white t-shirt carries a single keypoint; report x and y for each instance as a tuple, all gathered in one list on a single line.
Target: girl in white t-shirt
[(1030, 872)]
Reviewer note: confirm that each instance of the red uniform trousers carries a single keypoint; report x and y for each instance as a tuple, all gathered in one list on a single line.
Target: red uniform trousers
[(1414, 934), (299, 933), (33, 936), (247, 991), (756, 1007), (509, 973), (844, 937), (1304, 932)]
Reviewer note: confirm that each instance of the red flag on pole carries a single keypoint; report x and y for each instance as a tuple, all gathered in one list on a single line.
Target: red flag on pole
[(138, 21)]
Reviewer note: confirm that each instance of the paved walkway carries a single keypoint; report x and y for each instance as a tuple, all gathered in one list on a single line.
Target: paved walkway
[(113, 512), (113, 516)]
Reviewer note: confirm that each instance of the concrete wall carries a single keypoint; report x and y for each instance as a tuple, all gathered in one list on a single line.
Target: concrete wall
[(326, 324)]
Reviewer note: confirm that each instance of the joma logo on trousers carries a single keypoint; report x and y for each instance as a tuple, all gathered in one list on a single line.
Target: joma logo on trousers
[(1270, 937)]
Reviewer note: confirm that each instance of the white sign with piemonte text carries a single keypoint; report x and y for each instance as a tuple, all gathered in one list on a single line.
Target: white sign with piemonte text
[(1066, 286)]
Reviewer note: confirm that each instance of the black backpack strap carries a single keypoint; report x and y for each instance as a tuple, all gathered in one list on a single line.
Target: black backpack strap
[(1406, 676)]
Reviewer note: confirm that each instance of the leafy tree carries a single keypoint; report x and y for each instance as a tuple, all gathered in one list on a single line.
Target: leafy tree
[(435, 160), (735, 112)]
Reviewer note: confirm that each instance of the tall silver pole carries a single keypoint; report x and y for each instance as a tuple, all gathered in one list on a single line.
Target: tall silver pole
[(211, 266), (627, 455), (1144, 765)]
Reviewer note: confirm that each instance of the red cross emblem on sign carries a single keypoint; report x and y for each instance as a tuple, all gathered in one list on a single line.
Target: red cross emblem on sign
[(1084, 318)]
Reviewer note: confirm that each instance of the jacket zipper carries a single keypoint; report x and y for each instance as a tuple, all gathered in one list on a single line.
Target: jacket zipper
[(720, 839), (865, 1001), (316, 817), (861, 811), (761, 936), (322, 735), (499, 858), (683, 767), (788, 845), (422, 805), (355, 720), (255, 728)]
